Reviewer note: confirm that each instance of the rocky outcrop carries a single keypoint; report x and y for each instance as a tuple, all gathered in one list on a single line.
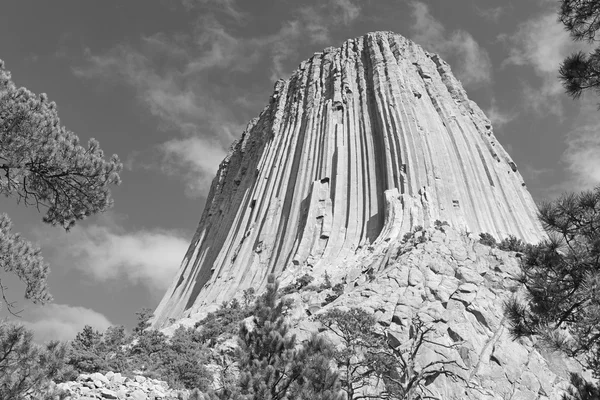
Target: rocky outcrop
[(113, 386), (457, 286), (362, 144)]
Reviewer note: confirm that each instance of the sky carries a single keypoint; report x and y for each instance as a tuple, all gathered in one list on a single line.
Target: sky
[(169, 84)]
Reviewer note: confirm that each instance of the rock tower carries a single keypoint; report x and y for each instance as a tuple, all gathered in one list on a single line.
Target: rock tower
[(361, 145)]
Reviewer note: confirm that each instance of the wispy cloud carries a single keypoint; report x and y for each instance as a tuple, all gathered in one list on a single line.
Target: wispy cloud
[(62, 321), (227, 7), (185, 80), (498, 115), (582, 156), (198, 157), (106, 252), (492, 13), (473, 65), (346, 10), (178, 94), (541, 43)]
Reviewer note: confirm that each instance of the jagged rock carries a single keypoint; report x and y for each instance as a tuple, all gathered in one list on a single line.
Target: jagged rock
[(118, 387), (345, 157), (108, 394), (138, 395), (469, 313)]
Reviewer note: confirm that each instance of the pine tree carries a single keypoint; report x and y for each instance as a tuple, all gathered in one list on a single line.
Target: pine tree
[(144, 316), (360, 355), (319, 379), (26, 368), (86, 354), (581, 71), (269, 357), (42, 164), (20, 257), (561, 278)]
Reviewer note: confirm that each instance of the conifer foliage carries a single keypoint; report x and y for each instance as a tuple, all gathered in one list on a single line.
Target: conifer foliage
[(561, 277), (270, 361), (26, 368), (22, 258), (581, 71), (43, 163)]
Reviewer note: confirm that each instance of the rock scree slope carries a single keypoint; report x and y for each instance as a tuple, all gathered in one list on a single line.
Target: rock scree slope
[(361, 145)]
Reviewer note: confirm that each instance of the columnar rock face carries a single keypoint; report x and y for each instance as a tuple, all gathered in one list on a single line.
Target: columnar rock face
[(363, 143)]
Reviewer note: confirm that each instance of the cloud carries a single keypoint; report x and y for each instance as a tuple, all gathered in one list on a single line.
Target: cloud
[(582, 156), (346, 10), (176, 92), (473, 65), (194, 156), (107, 252), (62, 322), (541, 43), (491, 14), (498, 116), (227, 7), (314, 23), (188, 80)]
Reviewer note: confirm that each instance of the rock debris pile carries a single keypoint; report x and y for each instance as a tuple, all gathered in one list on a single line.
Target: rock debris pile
[(113, 386)]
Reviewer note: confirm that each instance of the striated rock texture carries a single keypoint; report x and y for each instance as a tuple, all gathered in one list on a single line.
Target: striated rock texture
[(363, 143)]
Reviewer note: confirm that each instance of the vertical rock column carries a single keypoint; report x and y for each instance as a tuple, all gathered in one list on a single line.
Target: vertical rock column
[(360, 145)]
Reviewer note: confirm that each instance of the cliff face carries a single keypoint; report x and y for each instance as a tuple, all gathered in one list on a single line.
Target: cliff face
[(363, 143)]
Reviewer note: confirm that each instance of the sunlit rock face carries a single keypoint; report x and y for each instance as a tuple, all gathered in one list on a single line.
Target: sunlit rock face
[(362, 144)]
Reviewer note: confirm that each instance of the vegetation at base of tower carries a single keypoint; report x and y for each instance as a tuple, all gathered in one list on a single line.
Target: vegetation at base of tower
[(361, 344), (580, 71), (179, 360), (487, 239), (269, 362), (367, 355), (225, 320), (42, 165), (301, 283), (272, 364), (561, 278), (509, 243), (26, 368), (512, 243), (338, 290), (406, 379)]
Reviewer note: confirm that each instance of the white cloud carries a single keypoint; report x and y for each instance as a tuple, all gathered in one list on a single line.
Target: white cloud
[(492, 14), (194, 156), (62, 322), (178, 96), (227, 7), (473, 65), (541, 43), (498, 116), (106, 252), (346, 10), (582, 155), (184, 79)]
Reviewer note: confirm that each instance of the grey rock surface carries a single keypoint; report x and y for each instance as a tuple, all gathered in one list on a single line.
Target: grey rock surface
[(363, 143)]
